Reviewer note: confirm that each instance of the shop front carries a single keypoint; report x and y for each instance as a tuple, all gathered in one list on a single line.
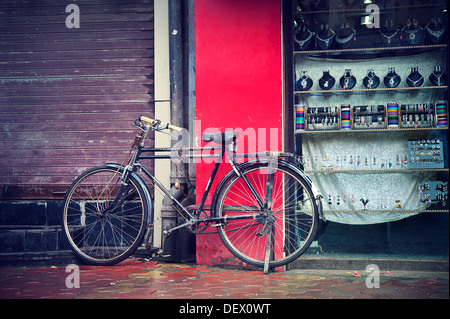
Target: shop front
[(358, 91)]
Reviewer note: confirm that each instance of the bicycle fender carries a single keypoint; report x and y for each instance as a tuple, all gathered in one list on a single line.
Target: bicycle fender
[(144, 187)]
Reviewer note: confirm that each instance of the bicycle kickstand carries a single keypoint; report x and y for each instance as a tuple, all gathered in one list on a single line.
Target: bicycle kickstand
[(269, 251)]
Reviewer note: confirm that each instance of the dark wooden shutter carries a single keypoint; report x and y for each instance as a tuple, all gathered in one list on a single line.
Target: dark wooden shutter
[(68, 97)]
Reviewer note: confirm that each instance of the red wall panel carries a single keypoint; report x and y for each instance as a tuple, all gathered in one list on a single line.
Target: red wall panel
[(238, 73)]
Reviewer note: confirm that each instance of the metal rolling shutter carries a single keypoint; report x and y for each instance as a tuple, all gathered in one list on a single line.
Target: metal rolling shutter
[(68, 97)]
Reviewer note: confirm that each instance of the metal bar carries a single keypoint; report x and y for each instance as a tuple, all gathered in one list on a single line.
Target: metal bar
[(177, 157), (230, 209), (227, 218), (262, 155), (269, 183), (210, 181), (176, 62), (156, 149), (154, 157)]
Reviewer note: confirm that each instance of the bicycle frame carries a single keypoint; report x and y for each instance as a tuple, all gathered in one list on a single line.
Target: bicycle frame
[(193, 219), (263, 203)]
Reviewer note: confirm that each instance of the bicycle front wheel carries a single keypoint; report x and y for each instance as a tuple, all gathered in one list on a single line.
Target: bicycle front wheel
[(292, 217), (104, 220)]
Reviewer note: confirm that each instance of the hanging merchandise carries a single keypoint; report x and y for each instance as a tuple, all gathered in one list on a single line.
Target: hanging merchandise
[(412, 33), (364, 202), (326, 82), (434, 193), (438, 76), (425, 154), (371, 80), (390, 34), (417, 115), (325, 37), (323, 118), (435, 30), (369, 117), (346, 123), (441, 113), (300, 117), (393, 115), (392, 79), (303, 38), (346, 36), (304, 83), (348, 80), (414, 79)]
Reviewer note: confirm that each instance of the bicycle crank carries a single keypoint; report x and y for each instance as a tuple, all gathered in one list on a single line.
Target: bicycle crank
[(201, 225), (168, 231)]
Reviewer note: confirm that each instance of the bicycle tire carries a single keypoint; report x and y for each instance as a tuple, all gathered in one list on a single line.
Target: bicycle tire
[(295, 225), (96, 233)]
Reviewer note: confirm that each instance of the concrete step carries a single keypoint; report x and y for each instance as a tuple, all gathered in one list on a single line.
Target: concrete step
[(392, 263)]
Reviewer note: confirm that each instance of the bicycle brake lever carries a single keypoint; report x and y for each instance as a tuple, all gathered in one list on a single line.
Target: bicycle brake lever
[(139, 125)]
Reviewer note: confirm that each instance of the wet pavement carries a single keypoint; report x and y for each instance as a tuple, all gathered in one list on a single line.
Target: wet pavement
[(141, 279)]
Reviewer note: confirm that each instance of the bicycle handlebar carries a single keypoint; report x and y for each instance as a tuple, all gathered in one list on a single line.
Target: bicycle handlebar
[(153, 122)]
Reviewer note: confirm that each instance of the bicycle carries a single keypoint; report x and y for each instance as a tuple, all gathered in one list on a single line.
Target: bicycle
[(263, 209)]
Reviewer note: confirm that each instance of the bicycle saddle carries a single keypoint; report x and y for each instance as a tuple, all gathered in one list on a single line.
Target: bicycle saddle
[(221, 138)]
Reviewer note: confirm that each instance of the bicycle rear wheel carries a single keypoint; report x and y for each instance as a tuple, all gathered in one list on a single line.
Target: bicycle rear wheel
[(104, 220), (293, 216)]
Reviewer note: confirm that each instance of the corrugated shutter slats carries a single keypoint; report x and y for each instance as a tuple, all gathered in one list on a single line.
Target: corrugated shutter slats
[(68, 97)]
